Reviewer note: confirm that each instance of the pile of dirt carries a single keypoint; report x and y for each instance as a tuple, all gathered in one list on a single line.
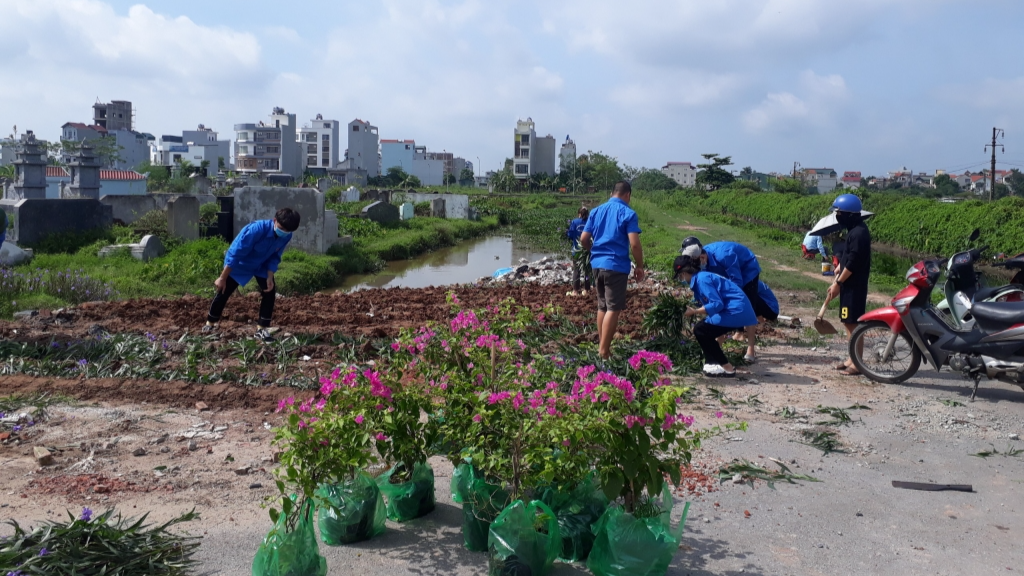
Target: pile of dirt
[(378, 313), (698, 479)]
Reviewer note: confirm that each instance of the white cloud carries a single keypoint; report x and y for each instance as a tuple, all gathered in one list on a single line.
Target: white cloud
[(821, 97), (659, 94)]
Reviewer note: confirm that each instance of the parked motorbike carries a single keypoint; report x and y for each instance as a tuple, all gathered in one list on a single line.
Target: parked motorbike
[(890, 342), (964, 285)]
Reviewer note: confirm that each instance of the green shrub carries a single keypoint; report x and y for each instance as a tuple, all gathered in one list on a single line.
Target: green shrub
[(302, 273), (71, 242), (208, 214)]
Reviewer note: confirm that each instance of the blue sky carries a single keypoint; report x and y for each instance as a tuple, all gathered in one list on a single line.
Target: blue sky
[(866, 85)]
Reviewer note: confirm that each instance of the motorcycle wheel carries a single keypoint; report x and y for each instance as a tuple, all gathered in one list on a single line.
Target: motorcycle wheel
[(867, 346)]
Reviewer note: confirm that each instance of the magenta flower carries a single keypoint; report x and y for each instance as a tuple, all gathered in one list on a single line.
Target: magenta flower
[(718, 414), (359, 419), (477, 418)]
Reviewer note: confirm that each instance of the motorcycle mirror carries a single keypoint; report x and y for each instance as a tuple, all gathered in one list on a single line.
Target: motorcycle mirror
[(975, 235)]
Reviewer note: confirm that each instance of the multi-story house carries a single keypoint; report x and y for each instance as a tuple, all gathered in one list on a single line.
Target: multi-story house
[(363, 153), (319, 143), (269, 147), (684, 173), (397, 153), (825, 179), (132, 147), (195, 146), (116, 115), (567, 154), (851, 180), (532, 155)]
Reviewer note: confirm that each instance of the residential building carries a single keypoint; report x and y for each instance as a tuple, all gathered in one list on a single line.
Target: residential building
[(7, 146), (195, 146), (851, 180), (134, 147), (684, 173), (270, 148), (825, 179), (532, 155), (362, 153), (396, 153), (116, 115), (428, 166), (319, 142), (458, 165), (567, 154)]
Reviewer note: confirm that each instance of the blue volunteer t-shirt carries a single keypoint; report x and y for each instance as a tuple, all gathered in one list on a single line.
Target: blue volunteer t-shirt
[(610, 225), (575, 231), (256, 250), (734, 261), (723, 300)]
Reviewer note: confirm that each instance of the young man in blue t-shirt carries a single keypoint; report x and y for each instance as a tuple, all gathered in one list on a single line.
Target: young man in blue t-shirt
[(256, 251), (611, 233)]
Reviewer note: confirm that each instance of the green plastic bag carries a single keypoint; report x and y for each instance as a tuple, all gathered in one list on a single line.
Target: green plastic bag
[(481, 504), (291, 553), (630, 546), (410, 499), (523, 540), (357, 514), (577, 510)]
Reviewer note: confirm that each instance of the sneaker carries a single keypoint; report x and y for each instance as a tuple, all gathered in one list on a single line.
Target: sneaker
[(716, 371), (209, 328), (263, 335)]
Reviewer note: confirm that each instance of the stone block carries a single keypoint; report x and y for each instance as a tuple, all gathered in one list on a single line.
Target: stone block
[(408, 211), (473, 214), (43, 456), (11, 255), (437, 208), (456, 206), (148, 248), (350, 195), (37, 218), (381, 212), (330, 228), (261, 203), (183, 217)]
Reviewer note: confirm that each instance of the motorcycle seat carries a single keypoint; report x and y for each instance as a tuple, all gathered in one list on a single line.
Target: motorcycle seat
[(998, 315), (986, 293)]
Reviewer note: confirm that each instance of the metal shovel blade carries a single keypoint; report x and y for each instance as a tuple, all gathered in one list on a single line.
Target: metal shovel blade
[(821, 325)]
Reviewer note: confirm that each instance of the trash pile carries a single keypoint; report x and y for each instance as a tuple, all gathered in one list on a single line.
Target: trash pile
[(547, 272)]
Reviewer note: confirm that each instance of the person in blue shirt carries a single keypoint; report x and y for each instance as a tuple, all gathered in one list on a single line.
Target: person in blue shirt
[(579, 267), (813, 246), (769, 299), (256, 251), (724, 306), (611, 233), (739, 264)]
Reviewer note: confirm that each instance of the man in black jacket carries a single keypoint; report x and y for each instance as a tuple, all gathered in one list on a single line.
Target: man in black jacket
[(851, 284)]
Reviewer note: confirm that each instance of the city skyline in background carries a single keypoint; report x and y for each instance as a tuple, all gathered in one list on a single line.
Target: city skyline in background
[(869, 85)]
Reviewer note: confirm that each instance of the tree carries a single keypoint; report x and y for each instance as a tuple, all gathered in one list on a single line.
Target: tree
[(449, 178), (204, 167), (7, 171), (605, 170), (713, 174), (748, 185), (787, 186), (466, 177), (946, 186), (220, 163), (650, 179), (105, 148), (1016, 182), (747, 173), (1001, 191), (504, 181), (631, 172), (158, 175), (412, 181)]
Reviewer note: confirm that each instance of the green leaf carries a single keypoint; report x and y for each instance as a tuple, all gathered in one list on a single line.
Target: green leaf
[(613, 486)]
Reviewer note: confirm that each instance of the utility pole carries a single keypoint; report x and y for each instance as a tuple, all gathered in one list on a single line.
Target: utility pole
[(996, 132)]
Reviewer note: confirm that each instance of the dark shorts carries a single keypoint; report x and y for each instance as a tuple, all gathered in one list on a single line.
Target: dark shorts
[(761, 308), (611, 290), (853, 301)]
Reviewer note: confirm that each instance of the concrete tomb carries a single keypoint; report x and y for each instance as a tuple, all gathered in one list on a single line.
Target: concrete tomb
[(381, 212), (183, 217)]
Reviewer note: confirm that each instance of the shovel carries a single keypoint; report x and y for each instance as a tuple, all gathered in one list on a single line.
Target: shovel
[(820, 324)]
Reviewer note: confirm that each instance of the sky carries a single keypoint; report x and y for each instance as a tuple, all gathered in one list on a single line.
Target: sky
[(868, 85)]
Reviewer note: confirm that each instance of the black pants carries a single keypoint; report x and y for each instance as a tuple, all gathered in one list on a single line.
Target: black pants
[(707, 336), (759, 305), (266, 303), (578, 272)]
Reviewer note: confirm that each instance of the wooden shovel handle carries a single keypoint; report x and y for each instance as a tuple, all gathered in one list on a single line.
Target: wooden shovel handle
[(821, 313)]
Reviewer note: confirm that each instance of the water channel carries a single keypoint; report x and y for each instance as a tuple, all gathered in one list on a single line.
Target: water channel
[(463, 263)]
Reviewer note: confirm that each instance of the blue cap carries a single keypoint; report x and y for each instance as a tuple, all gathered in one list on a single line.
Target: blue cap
[(847, 203)]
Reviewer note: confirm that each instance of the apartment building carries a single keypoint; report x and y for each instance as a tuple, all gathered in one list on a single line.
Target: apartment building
[(195, 146), (363, 152), (684, 173), (116, 115), (269, 147), (567, 155), (532, 155), (133, 146), (320, 142)]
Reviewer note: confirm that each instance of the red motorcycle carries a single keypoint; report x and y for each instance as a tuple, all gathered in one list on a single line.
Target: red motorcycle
[(889, 343)]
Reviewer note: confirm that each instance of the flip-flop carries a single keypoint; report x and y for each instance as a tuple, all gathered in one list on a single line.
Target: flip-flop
[(749, 359), (841, 366), (850, 372)]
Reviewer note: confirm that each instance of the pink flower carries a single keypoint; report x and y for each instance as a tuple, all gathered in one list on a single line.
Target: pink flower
[(565, 442), (718, 414), (651, 358), (381, 437), (320, 405), (477, 418), (396, 346), (498, 397), (359, 419)]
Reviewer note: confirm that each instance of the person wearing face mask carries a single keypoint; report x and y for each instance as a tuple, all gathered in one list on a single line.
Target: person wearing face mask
[(851, 280), (256, 251)]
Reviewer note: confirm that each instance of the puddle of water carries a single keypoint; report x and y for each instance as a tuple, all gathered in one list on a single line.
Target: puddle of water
[(459, 264)]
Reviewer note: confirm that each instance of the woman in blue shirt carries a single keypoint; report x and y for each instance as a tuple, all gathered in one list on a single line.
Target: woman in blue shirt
[(256, 251), (725, 307)]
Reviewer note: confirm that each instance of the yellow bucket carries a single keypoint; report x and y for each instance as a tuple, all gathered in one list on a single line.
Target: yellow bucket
[(826, 267)]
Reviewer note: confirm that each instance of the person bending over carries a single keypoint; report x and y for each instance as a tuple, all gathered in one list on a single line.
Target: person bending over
[(256, 251), (724, 306)]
